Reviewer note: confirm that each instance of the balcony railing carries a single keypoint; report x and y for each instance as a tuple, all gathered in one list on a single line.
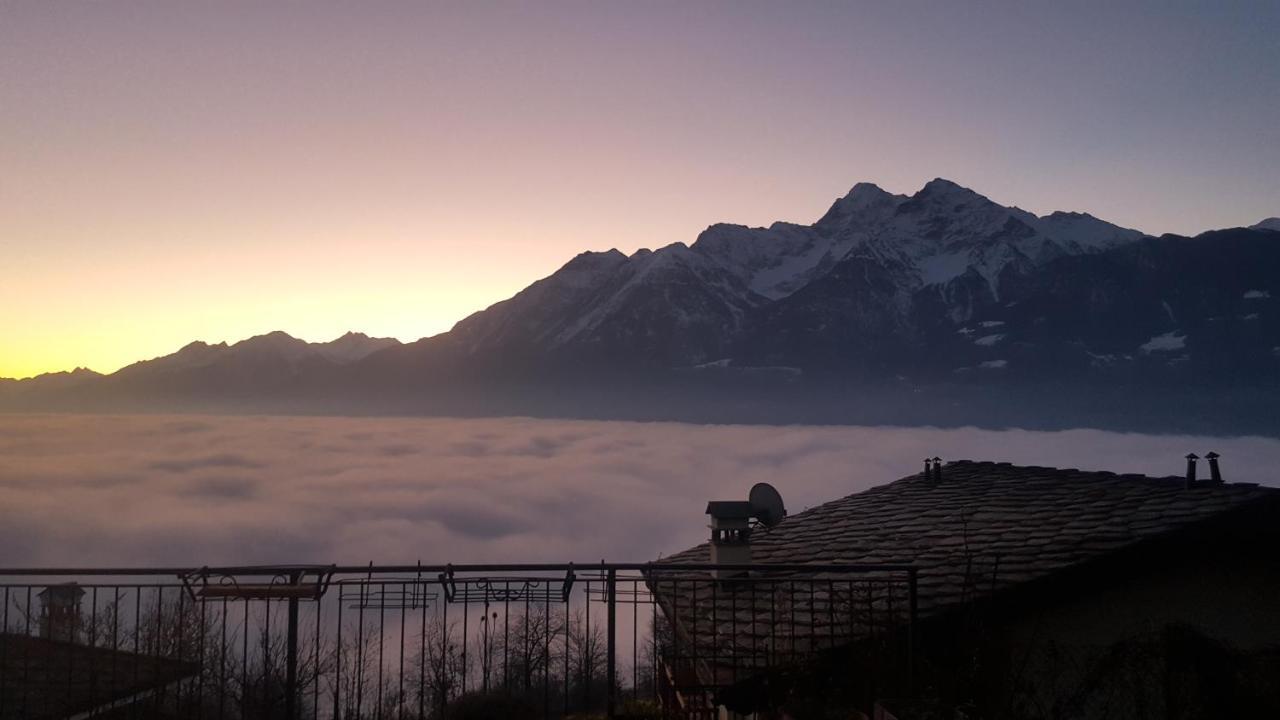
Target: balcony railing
[(465, 641)]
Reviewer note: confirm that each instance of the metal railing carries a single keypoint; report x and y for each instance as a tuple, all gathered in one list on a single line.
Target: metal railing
[(533, 640)]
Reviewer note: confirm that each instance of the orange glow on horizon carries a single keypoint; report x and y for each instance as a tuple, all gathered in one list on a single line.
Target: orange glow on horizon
[(180, 172)]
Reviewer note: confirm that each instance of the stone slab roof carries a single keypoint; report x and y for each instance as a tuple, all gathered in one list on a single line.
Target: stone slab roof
[(988, 526), (42, 678)]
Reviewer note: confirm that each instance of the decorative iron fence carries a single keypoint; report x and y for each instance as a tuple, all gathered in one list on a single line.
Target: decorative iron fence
[(398, 642)]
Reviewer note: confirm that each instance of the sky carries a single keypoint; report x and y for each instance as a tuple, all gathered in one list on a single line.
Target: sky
[(179, 171), (182, 491)]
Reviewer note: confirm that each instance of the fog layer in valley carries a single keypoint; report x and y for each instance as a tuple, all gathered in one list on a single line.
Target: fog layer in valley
[(91, 490)]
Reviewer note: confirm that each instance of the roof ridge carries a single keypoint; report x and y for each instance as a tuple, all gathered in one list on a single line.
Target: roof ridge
[(1085, 472)]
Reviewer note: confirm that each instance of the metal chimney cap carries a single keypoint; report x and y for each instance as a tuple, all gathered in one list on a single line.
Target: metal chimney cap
[(1192, 456), (1212, 455), (729, 509)]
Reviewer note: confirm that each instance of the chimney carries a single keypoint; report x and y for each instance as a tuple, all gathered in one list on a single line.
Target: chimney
[(1191, 469), (60, 612), (1215, 474), (937, 469), (730, 534), (928, 468)]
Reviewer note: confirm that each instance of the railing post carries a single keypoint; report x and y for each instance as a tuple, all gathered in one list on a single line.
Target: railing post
[(291, 659), (911, 632), (611, 591)]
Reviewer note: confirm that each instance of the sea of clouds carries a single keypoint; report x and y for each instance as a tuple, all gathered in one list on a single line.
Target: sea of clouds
[(92, 490)]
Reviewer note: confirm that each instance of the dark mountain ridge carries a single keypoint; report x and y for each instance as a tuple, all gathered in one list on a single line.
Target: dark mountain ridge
[(940, 307)]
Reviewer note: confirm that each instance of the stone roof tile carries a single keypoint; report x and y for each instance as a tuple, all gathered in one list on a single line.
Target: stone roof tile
[(1028, 522)]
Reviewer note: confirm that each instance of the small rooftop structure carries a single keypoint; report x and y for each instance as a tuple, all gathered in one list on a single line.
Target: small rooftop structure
[(731, 524), (60, 612)]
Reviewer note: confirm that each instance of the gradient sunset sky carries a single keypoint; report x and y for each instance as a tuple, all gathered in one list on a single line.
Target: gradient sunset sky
[(180, 171)]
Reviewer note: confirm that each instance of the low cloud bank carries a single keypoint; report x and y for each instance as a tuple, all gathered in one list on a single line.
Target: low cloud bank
[(187, 491)]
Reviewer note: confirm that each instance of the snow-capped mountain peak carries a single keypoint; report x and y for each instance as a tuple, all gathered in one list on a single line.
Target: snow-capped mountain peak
[(1082, 232), (1271, 223), (942, 187), (773, 262), (861, 199), (935, 286), (934, 237)]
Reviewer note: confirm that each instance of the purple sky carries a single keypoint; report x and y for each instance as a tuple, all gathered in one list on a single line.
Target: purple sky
[(173, 171)]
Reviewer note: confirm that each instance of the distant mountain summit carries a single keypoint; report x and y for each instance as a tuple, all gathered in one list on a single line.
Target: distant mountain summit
[(685, 305), (204, 367), (353, 346), (278, 348), (1272, 223), (888, 308), (54, 380)]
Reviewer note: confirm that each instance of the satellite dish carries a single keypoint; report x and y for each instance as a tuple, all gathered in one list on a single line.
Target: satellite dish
[(766, 504)]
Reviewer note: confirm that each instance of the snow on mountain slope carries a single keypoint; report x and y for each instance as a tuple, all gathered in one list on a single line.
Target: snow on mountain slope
[(776, 261), (669, 271), (537, 313), (940, 234), (1082, 232), (773, 262), (669, 303), (945, 229)]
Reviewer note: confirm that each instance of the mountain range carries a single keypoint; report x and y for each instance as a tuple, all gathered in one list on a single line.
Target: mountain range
[(885, 306)]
